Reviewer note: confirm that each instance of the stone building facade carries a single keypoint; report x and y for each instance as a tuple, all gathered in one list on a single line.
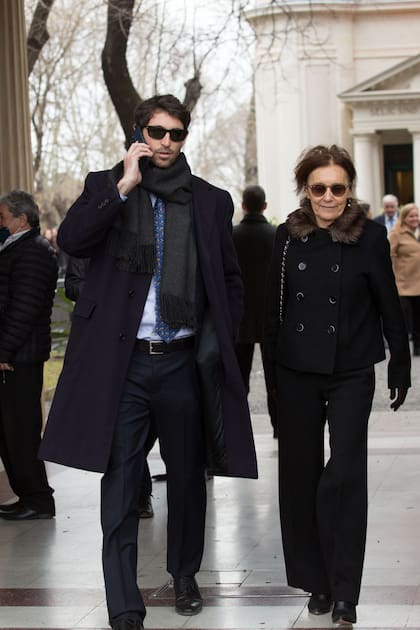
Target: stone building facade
[(339, 72)]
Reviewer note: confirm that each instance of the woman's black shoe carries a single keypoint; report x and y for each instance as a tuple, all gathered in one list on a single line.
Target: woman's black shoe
[(319, 603), (344, 612)]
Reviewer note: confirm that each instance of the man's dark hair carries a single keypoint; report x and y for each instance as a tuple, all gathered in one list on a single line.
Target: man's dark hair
[(165, 102), (253, 199), (20, 202)]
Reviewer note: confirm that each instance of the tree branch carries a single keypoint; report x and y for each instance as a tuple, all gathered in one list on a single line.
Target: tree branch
[(38, 33)]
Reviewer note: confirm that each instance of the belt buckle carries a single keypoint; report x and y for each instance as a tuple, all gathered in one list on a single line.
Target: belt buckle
[(151, 351)]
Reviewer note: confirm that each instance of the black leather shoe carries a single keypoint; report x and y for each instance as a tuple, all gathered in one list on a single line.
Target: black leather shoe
[(146, 508), (188, 599), (344, 613), (319, 604), (5, 508), (127, 624), (22, 513)]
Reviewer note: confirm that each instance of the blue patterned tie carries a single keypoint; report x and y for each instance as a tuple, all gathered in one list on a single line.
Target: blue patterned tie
[(162, 328)]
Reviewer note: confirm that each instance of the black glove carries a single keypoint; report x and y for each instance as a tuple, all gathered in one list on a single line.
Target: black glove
[(397, 395)]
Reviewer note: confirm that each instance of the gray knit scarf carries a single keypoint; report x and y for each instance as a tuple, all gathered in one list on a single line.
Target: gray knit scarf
[(132, 240)]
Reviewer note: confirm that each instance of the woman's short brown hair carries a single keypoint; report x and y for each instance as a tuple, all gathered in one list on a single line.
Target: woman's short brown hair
[(321, 155)]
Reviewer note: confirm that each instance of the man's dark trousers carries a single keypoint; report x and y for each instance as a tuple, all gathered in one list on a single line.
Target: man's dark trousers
[(20, 435), (162, 389)]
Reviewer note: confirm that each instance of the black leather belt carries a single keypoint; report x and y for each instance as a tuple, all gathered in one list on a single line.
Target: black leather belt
[(161, 347)]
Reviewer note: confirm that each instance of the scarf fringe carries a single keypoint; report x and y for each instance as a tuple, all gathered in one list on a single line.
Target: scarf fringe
[(177, 312), (130, 254)]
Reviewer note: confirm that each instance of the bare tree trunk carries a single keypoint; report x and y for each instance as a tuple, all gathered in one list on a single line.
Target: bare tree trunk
[(193, 89), (117, 78), (124, 95), (38, 33)]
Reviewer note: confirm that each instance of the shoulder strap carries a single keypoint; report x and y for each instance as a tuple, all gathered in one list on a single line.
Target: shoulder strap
[(283, 277)]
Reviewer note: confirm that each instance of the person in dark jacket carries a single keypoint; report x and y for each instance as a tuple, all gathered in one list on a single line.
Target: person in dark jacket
[(331, 292), (28, 276), (152, 340), (253, 238), (74, 281), (389, 216)]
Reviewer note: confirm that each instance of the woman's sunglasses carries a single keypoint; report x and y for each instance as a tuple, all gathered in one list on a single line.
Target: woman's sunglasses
[(319, 190), (157, 133)]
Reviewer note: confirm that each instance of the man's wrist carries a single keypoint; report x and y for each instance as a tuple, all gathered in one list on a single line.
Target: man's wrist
[(123, 187)]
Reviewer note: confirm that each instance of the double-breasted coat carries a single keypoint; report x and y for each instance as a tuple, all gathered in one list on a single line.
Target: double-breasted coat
[(106, 317), (338, 297)]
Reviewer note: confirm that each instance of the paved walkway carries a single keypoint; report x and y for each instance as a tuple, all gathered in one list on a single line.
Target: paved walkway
[(50, 573)]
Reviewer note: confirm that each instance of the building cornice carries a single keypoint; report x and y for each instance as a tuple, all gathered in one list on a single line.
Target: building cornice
[(309, 7)]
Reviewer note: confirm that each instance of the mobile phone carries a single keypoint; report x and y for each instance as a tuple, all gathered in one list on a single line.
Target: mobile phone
[(138, 137)]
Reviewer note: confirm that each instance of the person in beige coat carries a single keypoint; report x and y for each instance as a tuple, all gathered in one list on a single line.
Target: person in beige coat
[(405, 252)]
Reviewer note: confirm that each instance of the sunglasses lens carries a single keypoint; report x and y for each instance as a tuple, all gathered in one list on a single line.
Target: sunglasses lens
[(157, 133), (318, 190), (338, 190), (177, 135)]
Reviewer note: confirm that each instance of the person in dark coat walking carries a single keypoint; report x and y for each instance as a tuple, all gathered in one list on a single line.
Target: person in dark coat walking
[(152, 340), (253, 238), (332, 291), (28, 277)]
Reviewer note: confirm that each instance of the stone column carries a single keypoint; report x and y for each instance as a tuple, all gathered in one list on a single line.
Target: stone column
[(416, 165), (16, 169), (363, 151)]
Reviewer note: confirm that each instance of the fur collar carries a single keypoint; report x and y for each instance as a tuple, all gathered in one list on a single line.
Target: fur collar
[(346, 229)]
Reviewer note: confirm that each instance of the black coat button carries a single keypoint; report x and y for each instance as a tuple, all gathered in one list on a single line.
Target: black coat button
[(121, 336), (131, 292), (335, 267), (300, 327), (332, 299), (302, 266), (331, 329), (299, 296)]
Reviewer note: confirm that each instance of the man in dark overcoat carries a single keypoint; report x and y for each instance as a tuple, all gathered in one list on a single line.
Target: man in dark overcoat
[(254, 238), (152, 343), (28, 277)]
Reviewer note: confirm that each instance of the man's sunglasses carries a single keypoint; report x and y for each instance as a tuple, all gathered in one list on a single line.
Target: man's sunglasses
[(319, 190), (157, 133)]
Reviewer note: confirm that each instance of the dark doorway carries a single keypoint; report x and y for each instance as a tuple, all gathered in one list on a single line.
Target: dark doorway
[(398, 169)]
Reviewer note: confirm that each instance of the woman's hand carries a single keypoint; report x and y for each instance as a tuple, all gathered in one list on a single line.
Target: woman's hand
[(397, 395), (6, 366)]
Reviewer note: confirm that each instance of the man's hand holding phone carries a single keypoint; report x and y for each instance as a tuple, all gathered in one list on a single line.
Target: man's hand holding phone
[(135, 160)]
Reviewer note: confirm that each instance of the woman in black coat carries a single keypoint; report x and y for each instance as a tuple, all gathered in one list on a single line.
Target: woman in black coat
[(331, 295)]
